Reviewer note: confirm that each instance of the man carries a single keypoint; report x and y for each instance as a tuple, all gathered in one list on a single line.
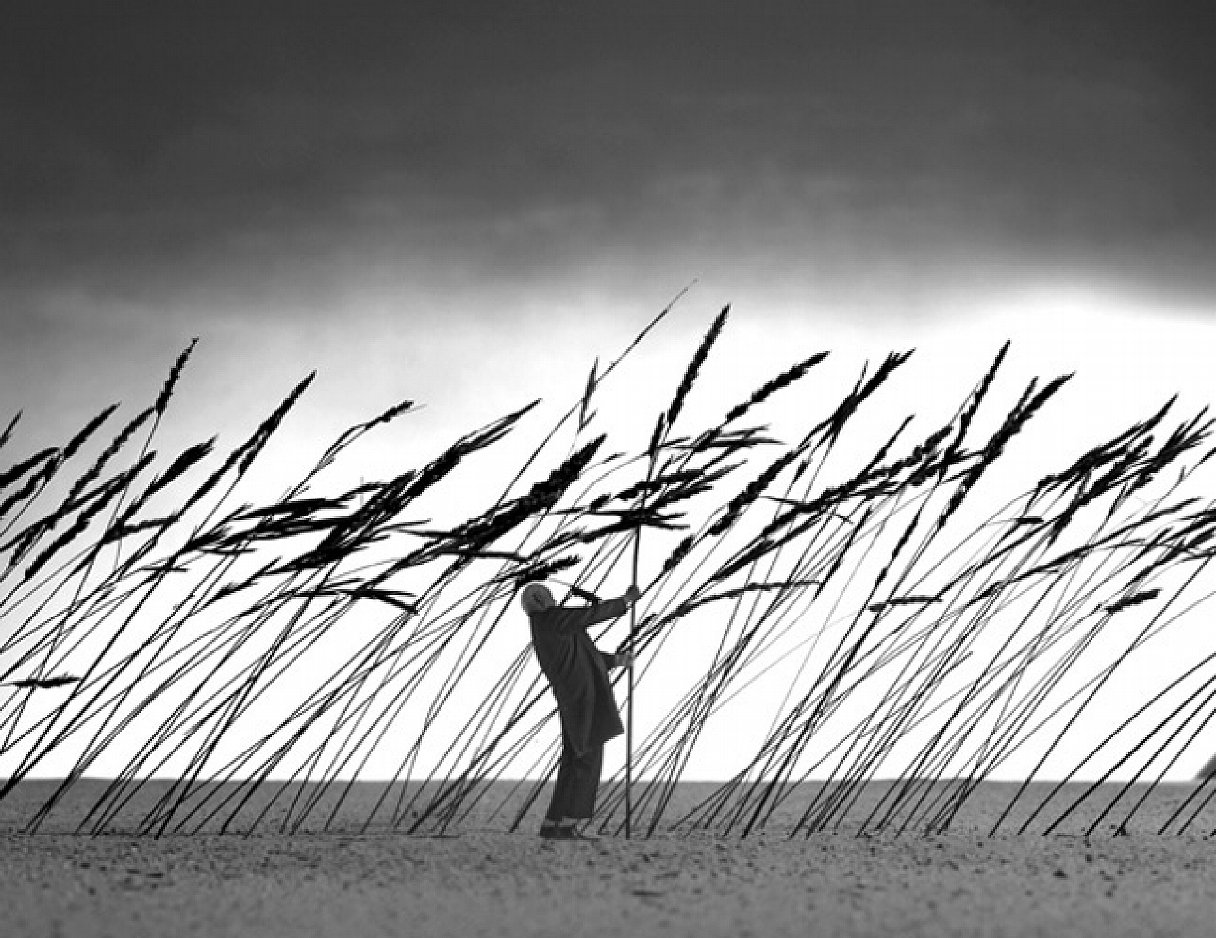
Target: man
[(578, 675)]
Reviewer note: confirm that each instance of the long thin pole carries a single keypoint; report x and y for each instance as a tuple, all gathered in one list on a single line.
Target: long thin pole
[(633, 625)]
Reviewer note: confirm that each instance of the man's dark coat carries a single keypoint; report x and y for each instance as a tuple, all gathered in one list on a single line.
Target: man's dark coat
[(578, 671)]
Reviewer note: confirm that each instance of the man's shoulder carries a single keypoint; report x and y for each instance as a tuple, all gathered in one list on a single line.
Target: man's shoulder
[(543, 618)]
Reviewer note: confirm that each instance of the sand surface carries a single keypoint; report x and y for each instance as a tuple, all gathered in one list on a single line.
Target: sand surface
[(487, 881)]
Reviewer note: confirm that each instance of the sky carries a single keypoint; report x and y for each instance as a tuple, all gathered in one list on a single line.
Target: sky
[(464, 204), (301, 187)]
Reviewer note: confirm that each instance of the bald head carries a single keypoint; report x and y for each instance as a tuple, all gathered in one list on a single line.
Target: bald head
[(536, 598)]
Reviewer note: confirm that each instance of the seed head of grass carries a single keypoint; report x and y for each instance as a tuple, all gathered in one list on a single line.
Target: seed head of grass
[(113, 489), (769, 388), (77, 441), (20, 469), (166, 390), (695, 365), (7, 433), (94, 471)]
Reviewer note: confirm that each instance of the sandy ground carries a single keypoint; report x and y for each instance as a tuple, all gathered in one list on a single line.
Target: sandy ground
[(486, 881)]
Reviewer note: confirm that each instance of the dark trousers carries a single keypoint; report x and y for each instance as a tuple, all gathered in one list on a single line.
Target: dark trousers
[(578, 777)]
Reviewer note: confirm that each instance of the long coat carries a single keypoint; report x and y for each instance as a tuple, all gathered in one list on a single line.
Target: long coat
[(578, 671)]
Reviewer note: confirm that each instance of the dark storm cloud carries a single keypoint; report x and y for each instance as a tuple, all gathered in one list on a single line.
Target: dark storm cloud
[(217, 150)]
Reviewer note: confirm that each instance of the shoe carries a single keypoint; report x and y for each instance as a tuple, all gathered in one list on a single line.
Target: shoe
[(564, 832)]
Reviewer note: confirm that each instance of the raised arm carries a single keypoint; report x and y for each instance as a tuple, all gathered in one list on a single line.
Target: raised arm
[(568, 618)]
